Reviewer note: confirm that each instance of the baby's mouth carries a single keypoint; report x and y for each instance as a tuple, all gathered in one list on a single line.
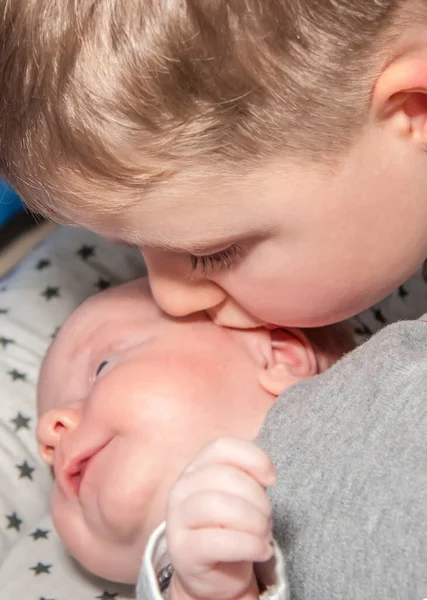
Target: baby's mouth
[(76, 470)]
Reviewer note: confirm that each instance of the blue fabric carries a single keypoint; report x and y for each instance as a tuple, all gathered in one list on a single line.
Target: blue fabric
[(10, 203)]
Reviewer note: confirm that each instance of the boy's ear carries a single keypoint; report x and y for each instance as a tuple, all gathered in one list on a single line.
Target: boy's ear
[(292, 359), (400, 95)]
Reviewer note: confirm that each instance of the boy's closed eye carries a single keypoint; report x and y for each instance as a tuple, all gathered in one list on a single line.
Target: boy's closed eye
[(217, 261)]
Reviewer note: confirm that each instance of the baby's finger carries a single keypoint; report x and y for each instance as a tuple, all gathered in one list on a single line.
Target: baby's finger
[(239, 453), (220, 509), (220, 478), (212, 546)]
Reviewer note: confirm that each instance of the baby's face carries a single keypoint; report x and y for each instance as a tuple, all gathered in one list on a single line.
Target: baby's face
[(127, 397)]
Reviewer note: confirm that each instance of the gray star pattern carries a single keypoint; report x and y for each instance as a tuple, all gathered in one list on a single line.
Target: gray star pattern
[(40, 568), (17, 375), (25, 470), (43, 264), (103, 284), (40, 534), (14, 521), (50, 292), (4, 342), (20, 421), (86, 252)]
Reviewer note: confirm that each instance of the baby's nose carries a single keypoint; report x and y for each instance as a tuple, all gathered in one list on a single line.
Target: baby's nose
[(52, 426)]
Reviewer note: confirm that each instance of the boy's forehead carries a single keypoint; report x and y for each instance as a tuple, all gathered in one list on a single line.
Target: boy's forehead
[(193, 212), (200, 211)]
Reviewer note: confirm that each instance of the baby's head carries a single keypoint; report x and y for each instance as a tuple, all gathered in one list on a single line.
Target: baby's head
[(127, 396)]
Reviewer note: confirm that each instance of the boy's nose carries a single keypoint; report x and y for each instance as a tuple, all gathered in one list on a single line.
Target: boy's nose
[(52, 426), (180, 296), (177, 295)]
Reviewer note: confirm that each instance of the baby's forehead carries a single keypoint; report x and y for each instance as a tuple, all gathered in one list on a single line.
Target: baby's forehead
[(79, 328), (105, 316), (72, 344), (119, 304), (61, 366)]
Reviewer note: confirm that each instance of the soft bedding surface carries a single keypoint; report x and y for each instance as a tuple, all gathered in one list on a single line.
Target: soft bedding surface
[(35, 299)]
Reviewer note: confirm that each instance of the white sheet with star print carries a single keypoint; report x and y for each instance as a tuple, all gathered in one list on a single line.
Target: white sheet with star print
[(35, 300)]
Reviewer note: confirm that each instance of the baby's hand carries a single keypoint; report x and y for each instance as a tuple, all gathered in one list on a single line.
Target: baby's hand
[(219, 522)]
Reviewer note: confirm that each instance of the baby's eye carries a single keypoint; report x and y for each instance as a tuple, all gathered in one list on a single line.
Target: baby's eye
[(101, 366)]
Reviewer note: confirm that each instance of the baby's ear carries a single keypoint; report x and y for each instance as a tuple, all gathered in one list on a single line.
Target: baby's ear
[(292, 359)]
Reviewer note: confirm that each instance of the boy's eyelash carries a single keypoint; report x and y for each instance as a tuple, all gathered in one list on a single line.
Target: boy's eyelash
[(218, 261)]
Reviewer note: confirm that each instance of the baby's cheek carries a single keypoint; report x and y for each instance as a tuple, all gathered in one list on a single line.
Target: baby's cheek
[(117, 489)]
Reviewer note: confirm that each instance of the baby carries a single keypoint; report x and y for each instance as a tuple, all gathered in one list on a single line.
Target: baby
[(128, 397)]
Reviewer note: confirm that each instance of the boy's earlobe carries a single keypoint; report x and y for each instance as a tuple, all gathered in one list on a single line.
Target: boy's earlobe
[(400, 96), (293, 359)]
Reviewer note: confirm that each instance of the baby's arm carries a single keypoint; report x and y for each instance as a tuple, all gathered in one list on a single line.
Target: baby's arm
[(219, 523)]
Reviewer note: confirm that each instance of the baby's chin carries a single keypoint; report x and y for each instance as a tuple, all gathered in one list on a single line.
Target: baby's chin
[(113, 569), (108, 561), (106, 558)]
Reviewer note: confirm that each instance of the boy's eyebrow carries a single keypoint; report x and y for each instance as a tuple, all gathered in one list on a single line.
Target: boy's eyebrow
[(218, 240), (211, 246)]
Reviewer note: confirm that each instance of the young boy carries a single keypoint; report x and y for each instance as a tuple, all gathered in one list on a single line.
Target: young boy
[(267, 156), (128, 397)]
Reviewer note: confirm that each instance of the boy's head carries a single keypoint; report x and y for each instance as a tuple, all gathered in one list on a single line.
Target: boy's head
[(128, 396), (291, 133)]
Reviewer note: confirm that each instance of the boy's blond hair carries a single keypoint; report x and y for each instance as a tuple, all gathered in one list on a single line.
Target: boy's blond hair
[(123, 94)]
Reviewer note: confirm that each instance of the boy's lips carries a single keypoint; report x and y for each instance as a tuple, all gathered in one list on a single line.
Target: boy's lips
[(77, 468)]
